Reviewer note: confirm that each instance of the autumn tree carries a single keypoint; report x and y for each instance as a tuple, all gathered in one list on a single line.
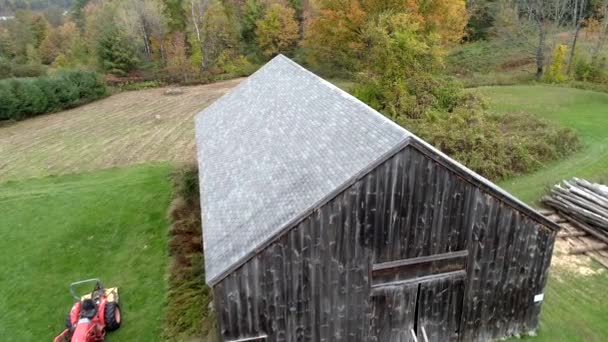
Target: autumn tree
[(21, 35), (334, 34), (557, 70), (219, 35), (333, 38), (178, 66), (277, 31), (400, 68), (59, 41)]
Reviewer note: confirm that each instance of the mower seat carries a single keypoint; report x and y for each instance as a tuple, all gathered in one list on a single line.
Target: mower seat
[(88, 309)]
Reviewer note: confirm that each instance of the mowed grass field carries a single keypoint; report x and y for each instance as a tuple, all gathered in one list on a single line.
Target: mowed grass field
[(124, 129), (576, 305), (55, 230)]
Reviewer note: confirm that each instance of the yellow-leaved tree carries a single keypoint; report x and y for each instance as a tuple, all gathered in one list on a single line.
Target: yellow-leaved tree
[(335, 32), (557, 70), (277, 31)]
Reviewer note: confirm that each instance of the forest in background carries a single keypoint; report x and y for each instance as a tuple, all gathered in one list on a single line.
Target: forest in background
[(408, 59)]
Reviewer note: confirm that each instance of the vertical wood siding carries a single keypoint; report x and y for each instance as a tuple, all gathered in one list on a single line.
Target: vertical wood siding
[(314, 282)]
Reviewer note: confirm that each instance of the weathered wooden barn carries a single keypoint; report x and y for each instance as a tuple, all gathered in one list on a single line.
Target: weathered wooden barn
[(325, 221)]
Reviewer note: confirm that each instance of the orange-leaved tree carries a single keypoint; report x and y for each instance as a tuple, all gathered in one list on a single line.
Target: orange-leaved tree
[(334, 35)]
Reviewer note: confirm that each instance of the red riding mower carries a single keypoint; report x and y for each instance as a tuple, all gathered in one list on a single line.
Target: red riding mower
[(92, 315)]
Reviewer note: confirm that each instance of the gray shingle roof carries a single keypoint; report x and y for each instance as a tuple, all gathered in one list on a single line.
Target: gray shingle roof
[(275, 146), (271, 148)]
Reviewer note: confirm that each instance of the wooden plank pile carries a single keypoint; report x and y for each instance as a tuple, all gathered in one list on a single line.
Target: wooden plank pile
[(582, 203)]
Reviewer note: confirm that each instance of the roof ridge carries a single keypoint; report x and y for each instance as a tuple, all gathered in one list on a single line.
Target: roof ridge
[(340, 91)]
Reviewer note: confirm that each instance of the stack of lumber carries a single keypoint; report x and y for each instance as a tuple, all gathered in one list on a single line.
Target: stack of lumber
[(583, 203)]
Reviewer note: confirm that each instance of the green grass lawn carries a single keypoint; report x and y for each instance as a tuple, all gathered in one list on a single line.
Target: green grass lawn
[(108, 224), (576, 307), (585, 111)]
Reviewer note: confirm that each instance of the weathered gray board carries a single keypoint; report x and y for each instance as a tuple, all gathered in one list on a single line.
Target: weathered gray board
[(344, 272)]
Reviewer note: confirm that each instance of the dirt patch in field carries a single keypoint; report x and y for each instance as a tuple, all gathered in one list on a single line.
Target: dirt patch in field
[(128, 128), (581, 265)]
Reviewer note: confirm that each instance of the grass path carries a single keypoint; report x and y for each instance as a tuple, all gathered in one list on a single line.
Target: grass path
[(584, 111), (576, 306), (107, 224)]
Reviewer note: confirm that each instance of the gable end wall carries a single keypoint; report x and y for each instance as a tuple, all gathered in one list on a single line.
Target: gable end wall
[(313, 282)]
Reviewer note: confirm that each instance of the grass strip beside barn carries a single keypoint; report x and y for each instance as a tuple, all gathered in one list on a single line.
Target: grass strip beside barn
[(189, 313)]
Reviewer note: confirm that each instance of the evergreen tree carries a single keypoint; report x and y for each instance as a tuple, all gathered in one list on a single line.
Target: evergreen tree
[(253, 10), (116, 55)]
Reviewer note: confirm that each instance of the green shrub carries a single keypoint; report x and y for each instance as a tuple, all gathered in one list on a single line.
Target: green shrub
[(594, 71), (6, 68), (30, 99), (87, 84), (26, 97), (8, 102), (238, 66), (496, 146)]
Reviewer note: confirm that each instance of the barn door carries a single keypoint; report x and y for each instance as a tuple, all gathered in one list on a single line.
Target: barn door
[(418, 299)]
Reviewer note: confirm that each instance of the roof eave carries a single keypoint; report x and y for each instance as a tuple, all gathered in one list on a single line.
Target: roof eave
[(482, 183)]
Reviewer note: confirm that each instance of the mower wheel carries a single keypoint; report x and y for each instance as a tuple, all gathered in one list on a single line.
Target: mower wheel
[(112, 316), (68, 322)]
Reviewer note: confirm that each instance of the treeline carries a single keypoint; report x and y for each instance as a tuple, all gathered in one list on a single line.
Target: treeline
[(173, 40)]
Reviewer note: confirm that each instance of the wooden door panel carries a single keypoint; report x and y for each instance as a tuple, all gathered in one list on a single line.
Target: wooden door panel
[(393, 310), (440, 308)]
